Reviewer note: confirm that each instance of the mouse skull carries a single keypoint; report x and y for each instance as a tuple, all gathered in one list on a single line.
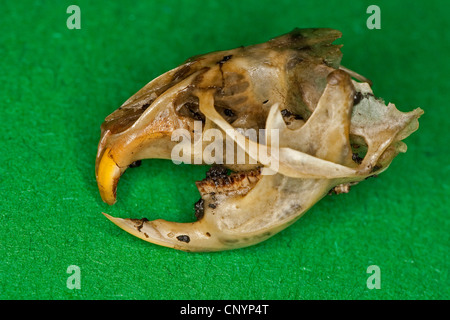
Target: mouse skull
[(332, 133)]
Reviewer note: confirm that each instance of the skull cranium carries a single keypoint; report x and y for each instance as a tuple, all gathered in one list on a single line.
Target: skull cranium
[(332, 131)]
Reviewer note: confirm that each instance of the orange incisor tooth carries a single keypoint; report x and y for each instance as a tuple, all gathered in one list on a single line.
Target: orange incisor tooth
[(107, 177)]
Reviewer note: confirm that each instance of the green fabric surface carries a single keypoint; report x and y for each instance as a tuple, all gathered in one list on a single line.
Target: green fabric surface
[(57, 86)]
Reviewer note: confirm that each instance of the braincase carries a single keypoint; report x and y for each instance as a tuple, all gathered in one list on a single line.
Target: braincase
[(290, 70)]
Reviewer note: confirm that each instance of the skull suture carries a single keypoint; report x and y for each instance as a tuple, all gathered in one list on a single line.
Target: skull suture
[(333, 133)]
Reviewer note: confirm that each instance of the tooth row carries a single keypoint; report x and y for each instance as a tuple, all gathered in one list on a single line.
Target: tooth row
[(238, 183)]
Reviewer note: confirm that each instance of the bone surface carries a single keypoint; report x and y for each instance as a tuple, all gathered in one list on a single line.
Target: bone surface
[(333, 133)]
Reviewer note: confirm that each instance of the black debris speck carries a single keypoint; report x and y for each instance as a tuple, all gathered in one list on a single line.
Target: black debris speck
[(228, 112), (216, 171), (199, 209), (357, 158), (225, 59), (135, 164), (184, 238), (357, 98)]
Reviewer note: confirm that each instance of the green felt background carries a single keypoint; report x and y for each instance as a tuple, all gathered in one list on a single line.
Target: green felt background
[(57, 86)]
